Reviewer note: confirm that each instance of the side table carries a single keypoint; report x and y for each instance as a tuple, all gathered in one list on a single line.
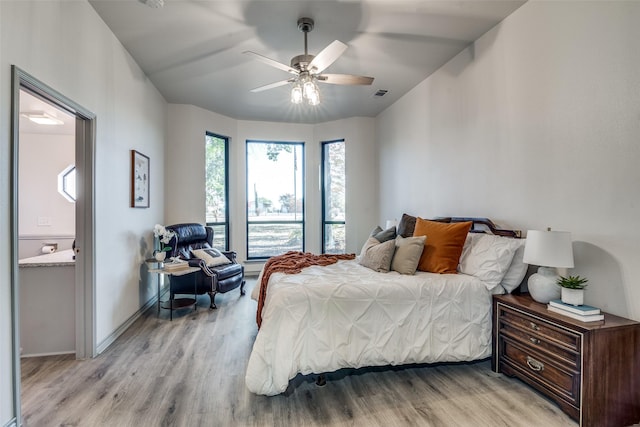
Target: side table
[(176, 303), (590, 369)]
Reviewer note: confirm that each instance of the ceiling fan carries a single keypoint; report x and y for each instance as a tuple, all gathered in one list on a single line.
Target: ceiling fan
[(307, 69)]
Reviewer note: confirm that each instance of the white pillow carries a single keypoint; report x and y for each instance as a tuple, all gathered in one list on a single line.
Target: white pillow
[(212, 257), (516, 271), (487, 257)]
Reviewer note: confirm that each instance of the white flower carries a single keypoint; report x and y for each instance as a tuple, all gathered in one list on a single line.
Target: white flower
[(163, 234)]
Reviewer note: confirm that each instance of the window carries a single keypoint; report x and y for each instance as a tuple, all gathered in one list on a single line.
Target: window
[(217, 193), (333, 197), (67, 183), (275, 198)]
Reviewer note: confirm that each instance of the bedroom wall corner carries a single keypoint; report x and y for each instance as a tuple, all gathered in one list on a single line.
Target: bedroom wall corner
[(535, 130)]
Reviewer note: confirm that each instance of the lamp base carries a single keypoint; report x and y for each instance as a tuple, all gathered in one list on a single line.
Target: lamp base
[(542, 285)]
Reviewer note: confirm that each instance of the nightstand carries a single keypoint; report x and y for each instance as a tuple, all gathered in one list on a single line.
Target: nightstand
[(176, 303), (590, 369)]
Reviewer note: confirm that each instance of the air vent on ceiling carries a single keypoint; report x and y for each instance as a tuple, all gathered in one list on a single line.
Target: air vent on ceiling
[(380, 92), (155, 4)]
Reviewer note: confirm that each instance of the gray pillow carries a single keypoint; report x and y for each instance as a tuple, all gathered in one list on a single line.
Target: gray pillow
[(383, 235), (407, 254), (377, 256), (407, 225)]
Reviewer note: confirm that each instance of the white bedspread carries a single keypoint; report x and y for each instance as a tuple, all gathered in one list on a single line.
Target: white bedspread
[(345, 315)]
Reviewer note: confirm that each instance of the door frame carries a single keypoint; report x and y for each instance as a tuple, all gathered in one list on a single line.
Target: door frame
[(85, 217)]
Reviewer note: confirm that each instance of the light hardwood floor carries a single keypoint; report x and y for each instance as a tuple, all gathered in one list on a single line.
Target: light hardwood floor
[(190, 372)]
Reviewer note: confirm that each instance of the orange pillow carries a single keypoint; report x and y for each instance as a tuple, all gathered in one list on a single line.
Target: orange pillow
[(443, 246)]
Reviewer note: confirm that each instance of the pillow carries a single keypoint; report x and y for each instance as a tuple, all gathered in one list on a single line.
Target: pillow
[(443, 246), (407, 255), (487, 257), (377, 256), (212, 257), (406, 225), (383, 235), (517, 270)]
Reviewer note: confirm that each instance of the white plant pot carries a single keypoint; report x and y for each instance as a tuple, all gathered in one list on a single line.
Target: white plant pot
[(160, 256), (573, 296)]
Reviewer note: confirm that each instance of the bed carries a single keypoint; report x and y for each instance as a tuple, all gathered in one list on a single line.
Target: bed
[(348, 315)]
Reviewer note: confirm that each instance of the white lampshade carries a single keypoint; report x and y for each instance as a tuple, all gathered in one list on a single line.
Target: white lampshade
[(549, 249)]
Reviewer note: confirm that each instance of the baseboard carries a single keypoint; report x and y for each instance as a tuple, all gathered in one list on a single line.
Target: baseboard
[(105, 343), (53, 353)]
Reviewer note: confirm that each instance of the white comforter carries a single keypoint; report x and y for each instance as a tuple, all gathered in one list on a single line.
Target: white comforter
[(345, 315)]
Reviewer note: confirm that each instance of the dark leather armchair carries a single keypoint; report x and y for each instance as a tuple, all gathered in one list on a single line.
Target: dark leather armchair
[(210, 280)]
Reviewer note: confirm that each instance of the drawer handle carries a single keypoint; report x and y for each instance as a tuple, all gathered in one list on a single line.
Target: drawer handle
[(534, 340), (534, 364), (534, 326)]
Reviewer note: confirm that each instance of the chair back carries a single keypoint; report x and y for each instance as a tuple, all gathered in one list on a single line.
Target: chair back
[(189, 236)]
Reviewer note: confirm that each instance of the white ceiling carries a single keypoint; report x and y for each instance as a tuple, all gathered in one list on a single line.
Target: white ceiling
[(30, 103), (192, 50)]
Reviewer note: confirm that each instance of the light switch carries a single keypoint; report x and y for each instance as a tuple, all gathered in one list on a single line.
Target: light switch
[(44, 221)]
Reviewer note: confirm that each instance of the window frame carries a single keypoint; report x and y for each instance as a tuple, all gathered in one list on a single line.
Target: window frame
[(226, 188), (302, 222), (323, 195)]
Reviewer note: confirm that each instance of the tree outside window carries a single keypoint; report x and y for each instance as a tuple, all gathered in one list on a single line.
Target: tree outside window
[(216, 188), (275, 198), (333, 197)]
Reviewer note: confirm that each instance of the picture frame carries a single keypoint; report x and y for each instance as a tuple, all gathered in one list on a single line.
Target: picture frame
[(139, 180)]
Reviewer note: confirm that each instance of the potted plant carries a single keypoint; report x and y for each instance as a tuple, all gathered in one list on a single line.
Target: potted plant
[(572, 289), (165, 236)]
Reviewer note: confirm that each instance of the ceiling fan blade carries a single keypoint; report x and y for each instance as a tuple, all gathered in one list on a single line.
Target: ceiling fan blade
[(272, 62), (272, 85), (344, 79), (327, 56)]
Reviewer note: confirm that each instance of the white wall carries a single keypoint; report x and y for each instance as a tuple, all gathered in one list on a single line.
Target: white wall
[(185, 160), (68, 47), (42, 157), (187, 126), (535, 125)]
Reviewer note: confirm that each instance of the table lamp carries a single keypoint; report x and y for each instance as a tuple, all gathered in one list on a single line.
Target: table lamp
[(550, 250)]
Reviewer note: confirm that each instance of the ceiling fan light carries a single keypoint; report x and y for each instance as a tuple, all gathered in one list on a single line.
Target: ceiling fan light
[(314, 98), (309, 89), (296, 94)]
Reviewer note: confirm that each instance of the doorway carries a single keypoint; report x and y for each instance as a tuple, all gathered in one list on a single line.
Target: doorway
[(46, 228), (84, 283)]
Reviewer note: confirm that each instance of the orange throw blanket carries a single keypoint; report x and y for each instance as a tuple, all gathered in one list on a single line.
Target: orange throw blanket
[(290, 263)]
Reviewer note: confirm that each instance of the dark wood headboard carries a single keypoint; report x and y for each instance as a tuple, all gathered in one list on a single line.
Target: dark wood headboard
[(486, 222)]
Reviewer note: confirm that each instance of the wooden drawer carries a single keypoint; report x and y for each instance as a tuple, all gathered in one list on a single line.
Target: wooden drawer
[(542, 329), (555, 378), (532, 339), (590, 369)]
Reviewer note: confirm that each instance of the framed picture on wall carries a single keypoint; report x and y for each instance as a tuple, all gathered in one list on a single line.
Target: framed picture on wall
[(139, 180)]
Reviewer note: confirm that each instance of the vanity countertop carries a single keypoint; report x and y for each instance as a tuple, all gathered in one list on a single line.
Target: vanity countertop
[(56, 259)]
